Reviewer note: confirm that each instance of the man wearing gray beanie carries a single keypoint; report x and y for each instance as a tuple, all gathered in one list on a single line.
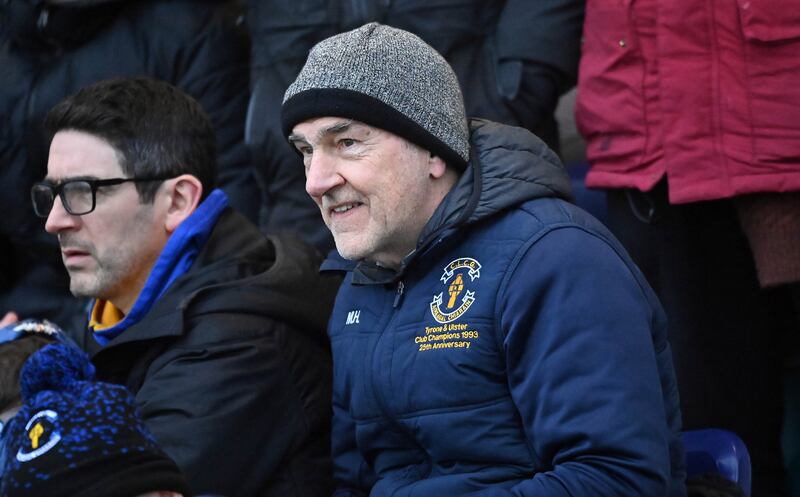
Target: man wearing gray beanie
[(489, 338)]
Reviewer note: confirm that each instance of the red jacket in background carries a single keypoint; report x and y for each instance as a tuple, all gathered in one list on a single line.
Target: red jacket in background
[(706, 92)]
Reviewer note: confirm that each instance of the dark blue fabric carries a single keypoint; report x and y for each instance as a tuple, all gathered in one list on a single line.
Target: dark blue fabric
[(177, 257), (555, 380), (2, 448)]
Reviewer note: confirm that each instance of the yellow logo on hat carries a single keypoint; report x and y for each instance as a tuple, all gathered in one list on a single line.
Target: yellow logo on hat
[(42, 431), (34, 435)]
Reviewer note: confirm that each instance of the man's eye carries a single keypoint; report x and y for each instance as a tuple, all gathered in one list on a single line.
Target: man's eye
[(305, 150), (347, 142)]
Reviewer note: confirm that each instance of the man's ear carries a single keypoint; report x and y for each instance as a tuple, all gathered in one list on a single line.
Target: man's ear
[(437, 166), (183, 197)]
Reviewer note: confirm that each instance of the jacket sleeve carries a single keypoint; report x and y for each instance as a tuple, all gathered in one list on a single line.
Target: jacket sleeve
[(582, 371), (227, 412), (516, 73), (544, 33), (538, 48)]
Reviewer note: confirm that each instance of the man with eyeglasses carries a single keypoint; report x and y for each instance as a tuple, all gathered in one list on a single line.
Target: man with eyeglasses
[(217, 330)]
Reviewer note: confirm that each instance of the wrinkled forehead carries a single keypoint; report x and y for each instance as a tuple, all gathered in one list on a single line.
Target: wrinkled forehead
[(79, 154)]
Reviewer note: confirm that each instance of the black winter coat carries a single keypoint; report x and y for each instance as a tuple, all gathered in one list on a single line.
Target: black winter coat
[(231, 368), (195, 45)]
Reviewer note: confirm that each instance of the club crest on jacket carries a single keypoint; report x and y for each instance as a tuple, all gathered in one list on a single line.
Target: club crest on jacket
[(456, 298)]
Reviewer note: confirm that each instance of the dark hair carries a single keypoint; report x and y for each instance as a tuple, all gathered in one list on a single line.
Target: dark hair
[(13, 355), (156, 129)]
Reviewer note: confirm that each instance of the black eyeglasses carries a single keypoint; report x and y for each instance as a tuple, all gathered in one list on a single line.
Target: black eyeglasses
[(78, 196)]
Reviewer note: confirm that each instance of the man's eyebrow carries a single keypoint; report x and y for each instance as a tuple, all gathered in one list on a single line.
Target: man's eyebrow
[(333, 129), (48, 179)]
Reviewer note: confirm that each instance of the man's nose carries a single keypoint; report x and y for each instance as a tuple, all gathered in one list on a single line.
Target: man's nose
[(322, 175), (59, 219)]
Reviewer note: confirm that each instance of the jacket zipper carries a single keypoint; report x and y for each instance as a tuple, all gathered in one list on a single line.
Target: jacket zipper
[(377, 379), (398, 298)]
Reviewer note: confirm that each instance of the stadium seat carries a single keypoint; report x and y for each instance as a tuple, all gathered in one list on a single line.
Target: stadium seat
[(718, 452)]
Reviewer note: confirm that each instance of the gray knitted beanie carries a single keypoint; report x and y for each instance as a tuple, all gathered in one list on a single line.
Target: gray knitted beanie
[(387, 78)]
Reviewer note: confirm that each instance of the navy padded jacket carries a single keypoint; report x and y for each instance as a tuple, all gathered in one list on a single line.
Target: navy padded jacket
[(518, 351)]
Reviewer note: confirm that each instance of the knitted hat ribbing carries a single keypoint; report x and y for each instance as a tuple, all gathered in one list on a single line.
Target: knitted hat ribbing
[(387, 78)]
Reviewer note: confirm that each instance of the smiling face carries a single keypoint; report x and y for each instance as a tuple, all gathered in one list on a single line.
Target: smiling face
[(110, 251), (376, 190)]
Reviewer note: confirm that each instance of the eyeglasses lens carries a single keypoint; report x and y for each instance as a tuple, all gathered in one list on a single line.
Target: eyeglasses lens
[(78, 197), (42, 196)]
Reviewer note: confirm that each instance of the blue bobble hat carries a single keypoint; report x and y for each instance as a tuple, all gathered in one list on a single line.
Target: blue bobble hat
[(76, 437)]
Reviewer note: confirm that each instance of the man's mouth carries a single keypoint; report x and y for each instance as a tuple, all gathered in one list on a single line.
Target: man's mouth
[(73, 256), (345, 207)]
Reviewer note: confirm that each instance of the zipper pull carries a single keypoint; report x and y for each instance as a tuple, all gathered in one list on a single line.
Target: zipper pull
[(399, 297)]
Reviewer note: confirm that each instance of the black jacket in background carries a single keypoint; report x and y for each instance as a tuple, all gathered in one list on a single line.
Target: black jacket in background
[(231, 367), (513, 59), (194, 45)]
